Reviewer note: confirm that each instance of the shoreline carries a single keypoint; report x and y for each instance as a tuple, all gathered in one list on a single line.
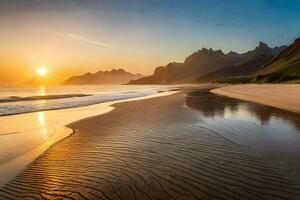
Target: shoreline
[(54, 123), (282, 96)]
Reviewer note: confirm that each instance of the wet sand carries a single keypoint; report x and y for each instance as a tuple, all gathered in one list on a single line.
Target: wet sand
[(284, 96), (173, 147), (26, 136)]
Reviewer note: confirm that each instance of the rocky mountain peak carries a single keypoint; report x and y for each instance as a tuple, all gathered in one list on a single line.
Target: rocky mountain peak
[(204, 54), (262, 46), (209, 52)]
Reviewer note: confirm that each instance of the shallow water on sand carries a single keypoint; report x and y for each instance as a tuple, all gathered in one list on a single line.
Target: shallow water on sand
[(197, 147), (269, 132)]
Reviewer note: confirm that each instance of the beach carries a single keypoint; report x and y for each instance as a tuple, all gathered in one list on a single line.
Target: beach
[(26, 136), (195, 146), (149, 100), (284, 96)]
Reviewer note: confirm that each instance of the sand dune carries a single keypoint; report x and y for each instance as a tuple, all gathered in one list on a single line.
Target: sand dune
[(284, 96)]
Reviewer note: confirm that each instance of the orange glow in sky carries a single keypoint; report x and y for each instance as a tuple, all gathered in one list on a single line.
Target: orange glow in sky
[(75, 37)]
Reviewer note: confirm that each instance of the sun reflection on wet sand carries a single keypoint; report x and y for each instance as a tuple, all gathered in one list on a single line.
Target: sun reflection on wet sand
[(41, 118), (42, 123)]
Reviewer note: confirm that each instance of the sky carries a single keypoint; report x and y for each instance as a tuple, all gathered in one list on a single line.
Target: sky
[(71, 37)]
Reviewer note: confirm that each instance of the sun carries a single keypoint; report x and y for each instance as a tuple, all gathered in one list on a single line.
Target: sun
[(42, 71)]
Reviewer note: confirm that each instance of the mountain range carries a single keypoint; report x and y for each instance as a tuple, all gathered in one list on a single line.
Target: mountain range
[(251, 62), (115, 76), (207, 64)]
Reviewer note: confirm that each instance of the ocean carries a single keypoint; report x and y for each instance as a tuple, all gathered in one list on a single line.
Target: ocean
[(18, 100)]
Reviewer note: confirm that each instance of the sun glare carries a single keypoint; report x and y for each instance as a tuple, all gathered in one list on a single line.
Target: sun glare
[(42, 71)]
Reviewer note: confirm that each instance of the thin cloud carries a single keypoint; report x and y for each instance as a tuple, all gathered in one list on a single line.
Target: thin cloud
[(83, 39)]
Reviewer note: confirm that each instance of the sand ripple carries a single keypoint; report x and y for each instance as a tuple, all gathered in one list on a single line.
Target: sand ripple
[(152, 149)]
